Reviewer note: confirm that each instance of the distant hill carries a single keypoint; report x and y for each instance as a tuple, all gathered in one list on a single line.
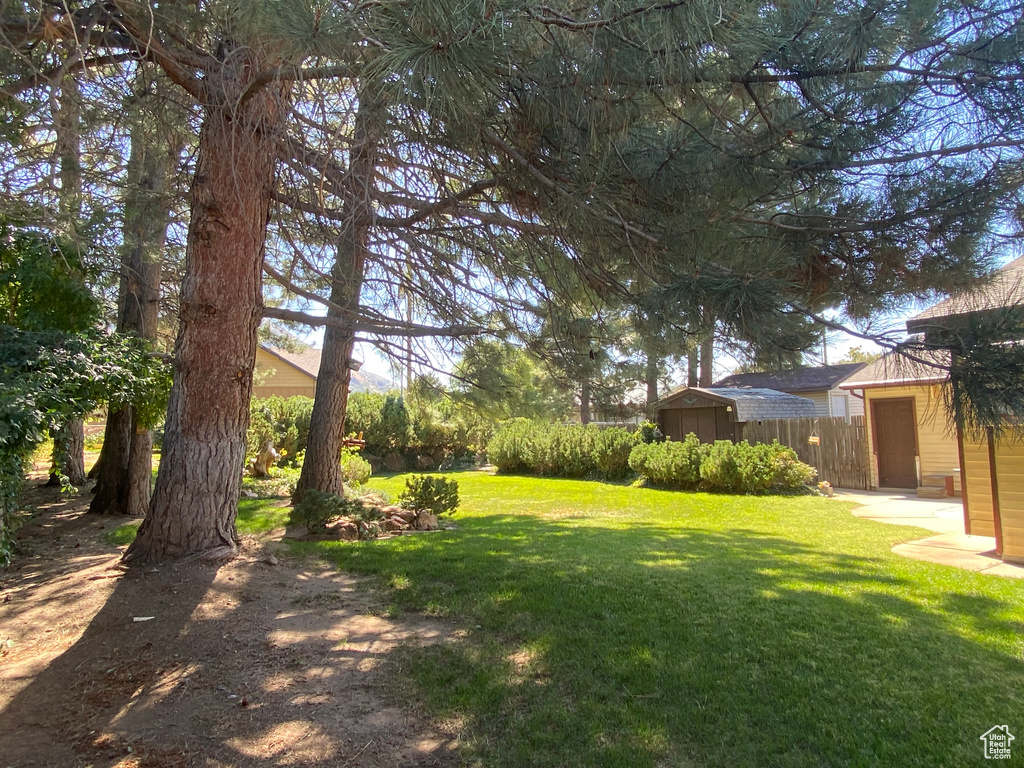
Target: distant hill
[(365, 381)]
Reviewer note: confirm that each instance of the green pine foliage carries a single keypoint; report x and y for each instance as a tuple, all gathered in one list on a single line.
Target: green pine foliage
[(429, 493), (722, 466), (566, 450), (283, 421)]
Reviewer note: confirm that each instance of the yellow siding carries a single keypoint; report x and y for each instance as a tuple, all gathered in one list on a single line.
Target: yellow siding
[(979, 488), (284, 380), (936, 442), (1010, 478)]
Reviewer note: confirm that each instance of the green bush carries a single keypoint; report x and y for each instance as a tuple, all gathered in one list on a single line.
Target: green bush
[(570, 451), (671, 463), (719, 469), (317, 509), (519, 446), (723, 466), (428, 493), (611, 451), (285, 421), (355, 470), (649, 432)]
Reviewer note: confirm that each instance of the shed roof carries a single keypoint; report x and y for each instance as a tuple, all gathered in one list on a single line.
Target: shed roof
[(805, 379), (893, 369), (749, 404)]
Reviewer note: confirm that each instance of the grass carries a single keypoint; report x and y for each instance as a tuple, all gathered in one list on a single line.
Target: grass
[(255, 516), (616, 626), (613, 626)]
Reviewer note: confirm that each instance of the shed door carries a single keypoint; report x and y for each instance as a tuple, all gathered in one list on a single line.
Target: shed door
[(895, 442), (700, 421)]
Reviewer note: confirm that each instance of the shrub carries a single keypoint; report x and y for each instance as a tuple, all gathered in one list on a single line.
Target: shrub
[(428, 493), (317, 509), (719, 469), (672, 463), (649, 432), (285, 421), (570, 451), (355, 470), (611, 451), (519, 446)]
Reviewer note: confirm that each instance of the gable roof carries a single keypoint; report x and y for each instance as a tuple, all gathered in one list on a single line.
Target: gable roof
[(893, 369), (749, 404), (805, 379), (308, 362), (1003, 288)]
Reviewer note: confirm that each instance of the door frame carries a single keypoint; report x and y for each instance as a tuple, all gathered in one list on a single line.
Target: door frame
[(874, 437)]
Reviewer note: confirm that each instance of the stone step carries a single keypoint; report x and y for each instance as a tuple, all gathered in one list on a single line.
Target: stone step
[(935, 480), (931, 491)]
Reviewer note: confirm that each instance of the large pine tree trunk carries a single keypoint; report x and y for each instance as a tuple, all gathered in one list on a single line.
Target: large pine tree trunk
[(707, 360), (692, 366), (195, 501), (651, 373), (123, 483), (585, 399), (321, 468), (69, 454)]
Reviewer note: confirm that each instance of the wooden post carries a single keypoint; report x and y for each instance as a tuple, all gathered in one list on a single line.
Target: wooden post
[(997, 520)]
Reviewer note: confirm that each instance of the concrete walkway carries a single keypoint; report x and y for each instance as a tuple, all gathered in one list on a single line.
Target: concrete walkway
[(944, 516)]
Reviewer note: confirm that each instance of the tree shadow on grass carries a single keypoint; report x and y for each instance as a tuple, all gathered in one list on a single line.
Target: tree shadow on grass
[(662, 646)]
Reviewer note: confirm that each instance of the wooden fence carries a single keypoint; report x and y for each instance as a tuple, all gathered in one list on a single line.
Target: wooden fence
[(841, 455)]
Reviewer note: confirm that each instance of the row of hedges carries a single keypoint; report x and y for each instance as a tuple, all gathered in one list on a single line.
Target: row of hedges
[(569, 450), (722, 466)]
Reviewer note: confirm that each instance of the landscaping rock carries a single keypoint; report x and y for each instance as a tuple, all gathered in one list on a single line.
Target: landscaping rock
[(373, 500), (394, 462), (425, 521), (425, 462), (343, 530)]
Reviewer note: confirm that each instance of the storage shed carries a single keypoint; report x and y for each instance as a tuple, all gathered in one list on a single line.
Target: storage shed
[(719, 413)]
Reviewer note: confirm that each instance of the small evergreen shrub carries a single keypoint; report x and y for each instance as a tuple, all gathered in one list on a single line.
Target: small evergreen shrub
[(649, 432), (317, 509), (519, 446), (611, 451), (719, 469), (570, 451), (671, 463), (429, 493), (355, 470)]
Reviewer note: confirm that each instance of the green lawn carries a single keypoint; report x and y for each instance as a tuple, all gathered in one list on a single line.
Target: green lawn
[(616, 626)]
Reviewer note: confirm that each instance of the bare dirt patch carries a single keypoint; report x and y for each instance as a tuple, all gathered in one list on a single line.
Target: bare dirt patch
[(264, 661)]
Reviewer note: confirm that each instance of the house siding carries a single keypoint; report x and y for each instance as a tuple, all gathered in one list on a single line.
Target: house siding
[(1010, 481), (285, 380), (936, 442)]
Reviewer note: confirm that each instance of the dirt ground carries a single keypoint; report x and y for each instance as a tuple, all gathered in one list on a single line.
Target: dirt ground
[(263, 661)]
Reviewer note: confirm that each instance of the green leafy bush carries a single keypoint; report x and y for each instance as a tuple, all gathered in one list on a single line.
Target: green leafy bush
[(355, 470), (671, 463), (719, 469), (429, 493), (649, 432), (611, 451), (285, 421)]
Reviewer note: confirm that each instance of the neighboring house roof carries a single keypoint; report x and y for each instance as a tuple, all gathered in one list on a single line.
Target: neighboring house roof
[(1003, 288), (806, 379), (749, 404), (893, 369), (308, 362)]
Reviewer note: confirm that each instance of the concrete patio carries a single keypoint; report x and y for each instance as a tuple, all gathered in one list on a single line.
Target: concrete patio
[(944, 516)]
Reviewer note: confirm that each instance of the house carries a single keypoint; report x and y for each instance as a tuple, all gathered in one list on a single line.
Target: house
[(908, 421), (819, 384), (719, 413), (910, 437), (287, 374)]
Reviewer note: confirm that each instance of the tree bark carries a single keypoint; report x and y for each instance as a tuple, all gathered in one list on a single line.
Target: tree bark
[(585, 399), (69, 454), (321, 468), (651, 374), (124, 480), (195, 501), (707, 359), (692, 363)]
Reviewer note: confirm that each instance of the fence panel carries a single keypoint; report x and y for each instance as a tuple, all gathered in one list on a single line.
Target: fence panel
[(841, 455)]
